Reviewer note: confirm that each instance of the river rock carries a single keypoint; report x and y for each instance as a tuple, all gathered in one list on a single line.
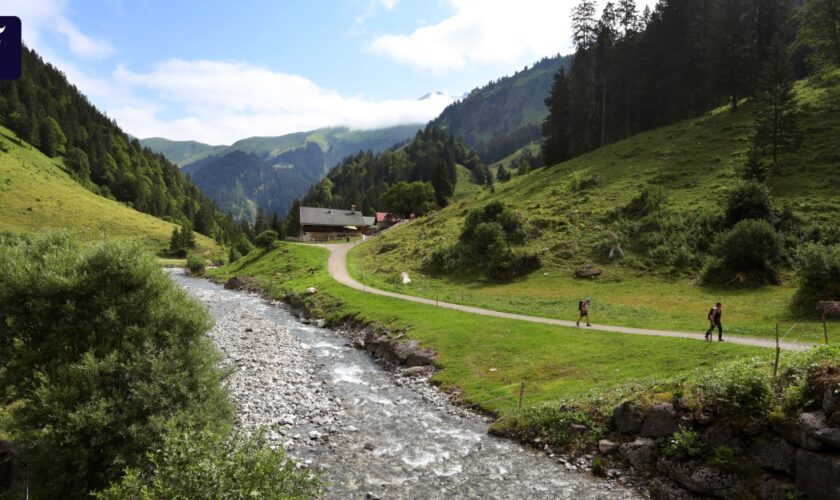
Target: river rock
[(700, 478), (628, 418), (659, 421), (831, 404), (606, 446), (641, 453), (311, 290), (773, 453), (818, 474), (417, 371), (815, 425)]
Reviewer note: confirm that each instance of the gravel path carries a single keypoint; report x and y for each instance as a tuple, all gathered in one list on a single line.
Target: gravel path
[(339, 272)]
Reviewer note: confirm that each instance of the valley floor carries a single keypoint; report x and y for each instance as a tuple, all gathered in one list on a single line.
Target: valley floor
[(485, 359)]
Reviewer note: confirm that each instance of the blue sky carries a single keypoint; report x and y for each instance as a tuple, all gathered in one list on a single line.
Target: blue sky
[(217, 71)]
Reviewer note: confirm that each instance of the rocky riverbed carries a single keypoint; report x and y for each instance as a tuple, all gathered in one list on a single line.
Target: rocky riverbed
[(368, 432)]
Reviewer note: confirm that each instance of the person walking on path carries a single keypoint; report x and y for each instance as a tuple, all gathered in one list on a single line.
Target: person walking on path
[(714, 322), (583, 307)]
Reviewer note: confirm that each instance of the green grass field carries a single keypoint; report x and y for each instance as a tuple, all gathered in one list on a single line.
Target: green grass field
[(485, 359), (696, 162), (36, 193)]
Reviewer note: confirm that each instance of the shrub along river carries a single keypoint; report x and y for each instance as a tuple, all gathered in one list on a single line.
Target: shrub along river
[(367, 431)]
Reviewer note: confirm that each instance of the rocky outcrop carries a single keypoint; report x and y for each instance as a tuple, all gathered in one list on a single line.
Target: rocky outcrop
[(818, 474), (815, 426), (628, 418), (829, 308), (242, 283), (399, 352), (641, 453), (660, 421), (773, 453), (701, 478)]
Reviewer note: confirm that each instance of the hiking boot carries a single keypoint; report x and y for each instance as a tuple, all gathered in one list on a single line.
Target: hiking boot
[(588, 324), (720, 340), (577, 323)]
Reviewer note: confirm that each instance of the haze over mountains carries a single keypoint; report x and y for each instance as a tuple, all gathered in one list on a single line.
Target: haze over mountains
[(271, 172)]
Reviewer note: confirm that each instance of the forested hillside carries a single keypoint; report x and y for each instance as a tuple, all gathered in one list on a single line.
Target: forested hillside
[(637, 71), (271, 172), (505, 114), (364, 178), (48, 112)]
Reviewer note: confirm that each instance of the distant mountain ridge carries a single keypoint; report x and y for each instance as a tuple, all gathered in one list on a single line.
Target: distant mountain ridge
[(181, 153), (271, 172), (506, 114)]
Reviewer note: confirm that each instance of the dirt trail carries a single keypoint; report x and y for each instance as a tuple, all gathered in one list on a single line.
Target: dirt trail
[(339, 272)]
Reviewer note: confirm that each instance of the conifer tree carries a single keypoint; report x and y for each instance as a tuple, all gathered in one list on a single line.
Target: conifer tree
[(555, 127), (776, 129), (821, 31)]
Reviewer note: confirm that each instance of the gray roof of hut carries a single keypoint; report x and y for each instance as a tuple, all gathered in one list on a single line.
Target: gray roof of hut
[(312, 216)]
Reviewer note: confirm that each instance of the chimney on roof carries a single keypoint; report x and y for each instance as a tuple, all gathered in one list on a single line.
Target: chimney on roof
[(353, 208)]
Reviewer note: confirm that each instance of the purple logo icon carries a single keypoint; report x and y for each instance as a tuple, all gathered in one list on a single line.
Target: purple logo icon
[(10, 47)]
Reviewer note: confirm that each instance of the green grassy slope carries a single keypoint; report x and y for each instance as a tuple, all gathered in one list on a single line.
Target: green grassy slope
[(485, 359), (181, 152), (695, 161), (36, 193)]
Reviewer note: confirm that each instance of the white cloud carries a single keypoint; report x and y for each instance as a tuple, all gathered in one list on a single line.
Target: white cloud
[(222, 101), (40, 16), (484, 33)]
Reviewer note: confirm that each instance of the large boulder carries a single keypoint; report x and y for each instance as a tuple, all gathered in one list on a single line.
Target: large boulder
[(660, 421), (236, 283), (701, 478), (818, 474), (588, 272), (662, 488), (628, 418), (774, 454), (815, 426), (641, 453)]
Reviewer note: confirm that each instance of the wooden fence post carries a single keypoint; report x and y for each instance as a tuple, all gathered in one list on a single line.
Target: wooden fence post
[(778, 351), (521, 393), (825, 329)]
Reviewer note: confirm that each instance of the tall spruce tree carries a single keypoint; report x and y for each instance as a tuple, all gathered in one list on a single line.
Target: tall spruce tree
[(584, 24), (776, 129), (555, 127)]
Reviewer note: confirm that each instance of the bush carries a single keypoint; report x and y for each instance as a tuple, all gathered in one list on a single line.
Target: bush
[(651, 199), (685, 444), (750, 200), (196, 264), (243, 246), (266, 239), (819, 275), (210, 465), (747, 253), (559, 426), (93, 391), (739, 389)]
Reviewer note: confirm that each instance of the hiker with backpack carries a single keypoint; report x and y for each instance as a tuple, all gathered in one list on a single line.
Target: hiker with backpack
[(583, 307), (714, 322)]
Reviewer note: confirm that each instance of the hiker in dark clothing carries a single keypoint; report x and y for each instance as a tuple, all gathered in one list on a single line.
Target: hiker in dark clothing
[(714, 321), (583, 307)]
